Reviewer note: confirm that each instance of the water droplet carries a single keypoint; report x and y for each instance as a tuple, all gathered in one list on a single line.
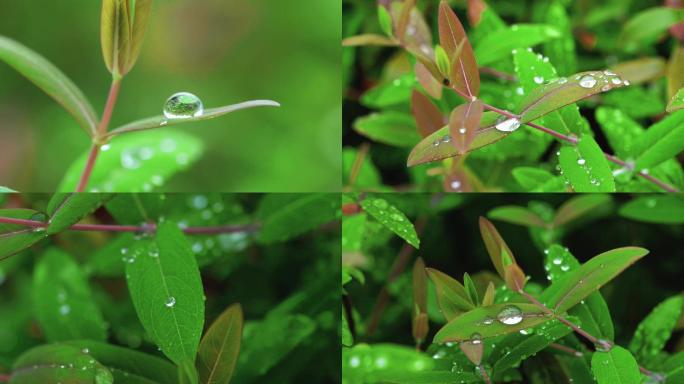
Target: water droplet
[(446, 138), (462, 130), (605, 88), (603, 345), (609, 73), (455, 184), (154, 252), (557, 261), (157, 180), (616, 81), (581, 161), (170, 302), (510, 315), (488, 320), (538, 79), (397, 217), (380, 203), (64, 309), (565, 268), (85, 350), (509, 125), (587, 81), (562, 80), (183, 105), (199, 202), (475, 338), (167, 145), (105, 147)]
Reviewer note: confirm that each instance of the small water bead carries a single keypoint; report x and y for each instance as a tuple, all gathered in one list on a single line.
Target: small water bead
[(64, 309), (562, 80), (183, 105), (455, 184), (603, 345), (488, 320), (581, 161), (538, 79), (510, 315), (557, 261), (381, 203), (396, 217), (565, 267), (475, 338), (105, 147), (509, 125), (616, 81), (462, 130), (587, 81), (446, 139), (170, 302)]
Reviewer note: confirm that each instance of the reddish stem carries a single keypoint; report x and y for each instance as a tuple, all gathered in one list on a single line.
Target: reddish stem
[(88, 170), (109, 106), (5, 378)]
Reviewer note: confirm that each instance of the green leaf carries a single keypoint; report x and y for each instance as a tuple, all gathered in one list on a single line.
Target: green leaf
[(636, 102), (674, 368), (647, 26), (496, 246), (485, 322), (392, 218), (588, 278), (662, 141), (127, 365), (499, 44), (211, 113), (622, 132), (561, 51), (166, 290), (537, 180), (390, 93), (385, 20), (220, 346), (66, 209), (517, 215), (654, 331), (15, 238), (137, 163), (122, 29), (286, 215), (451, 295), (393, 128), (57, 363), (51, 80), (564, 91), (665, 209), (677, 101), (586, 167), (616, 366), (62, 300), (353, 231), (6, 190), (580, 206), (393, 360), (367, 176)]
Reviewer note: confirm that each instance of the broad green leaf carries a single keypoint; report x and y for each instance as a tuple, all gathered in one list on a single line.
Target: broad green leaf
[(588, 278), (220, 346), (390, 93), (677, 101), (654, 330), (636, 102), (66, 209), (579, 206), (664, 209), (137, 163), (499, 44), (593, 312), (353, 231), (211, 113), (424, 377), (495, 244), (537, 180), (51, 80), (285, 215), (622, 132), (494, 320), (128, 365), (640, 70), (465, 76), (662, 141), (561, 51), (616, 366), (564, 91), (62, 300), (59, 363), (392, 218), (451, 295), (586, 167), (517, 215), (647, 26), (438, 145), (519, 347), (166, 290), (268, 342), (360, 363), (674, 368), (393, 128), (15, 238), (464, 122)]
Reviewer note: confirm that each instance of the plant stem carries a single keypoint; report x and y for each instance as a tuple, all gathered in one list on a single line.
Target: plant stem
[(573, 141), (136, 228), (484, 374), (101, 133)]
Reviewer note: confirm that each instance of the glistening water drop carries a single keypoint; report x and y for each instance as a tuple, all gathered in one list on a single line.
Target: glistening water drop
[(183, 105)]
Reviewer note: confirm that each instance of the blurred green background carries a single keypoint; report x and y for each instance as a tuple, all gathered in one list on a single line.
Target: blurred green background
[(225, 51)]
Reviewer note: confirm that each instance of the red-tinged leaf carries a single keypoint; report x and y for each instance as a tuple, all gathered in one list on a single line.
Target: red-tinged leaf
[(473, 350), (465, 76), (368, 39), (429, 118), (438, 145), (464, 123), (514, 277), (490, 294), (675, 70), (517, 215), (565, 91), (457, 180), (419, 286), (420, 327), (451, 295), (495, 245), (579, 206), (404, 17), (640, 70), (428, 81), (418, 38), (220, 346), (475, 9)]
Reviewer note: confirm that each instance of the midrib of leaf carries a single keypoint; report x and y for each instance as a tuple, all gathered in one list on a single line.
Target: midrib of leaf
[(221, 350), (36, 367), (461, 67), (130, 374), (543, 97), (61, 205), (140, 207), (575, 287), (18, 232)]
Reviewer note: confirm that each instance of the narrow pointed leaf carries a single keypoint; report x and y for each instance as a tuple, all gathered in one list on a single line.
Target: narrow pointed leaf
[(677, 101), (166, 289), (451, 295), (641, 70), (465, 75), (473, 351), (576, 207), (662, 141), (490, 294), (419, 286), (616, 366), (664, 209), (438, 145), (464, 123), (429, 118), (675, 70), (58, 363), (655, 330), (286, 215), (115, 35), (368, 39), (51, 80), (161, 121), (474, 322), (588, 278), (16, 238), (140, 20), (389, 127), (495, 244), (66, 209), (585, 167), (220, 346), (498, 45), (429, 83), (392, 218), (514, 277), (517, 215), (404, 17), (470, 289), (62, 300), (646, 27), (559, 93)]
